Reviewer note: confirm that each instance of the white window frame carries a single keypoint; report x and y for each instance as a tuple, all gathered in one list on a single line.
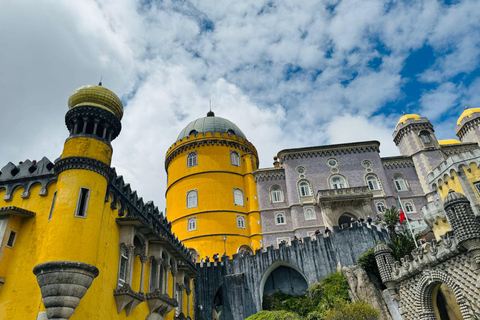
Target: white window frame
[(399, 176), (15, 234), (192, 155), (235, 158), (404, 204), (235, 198), (87, 199), (189, 192), (123, 254), (278, 192), (286, 239), (192, 224), (241, 224), (377, 181), (334, 186), (384, 206), (308, 188), (314, 215), (284, 218)]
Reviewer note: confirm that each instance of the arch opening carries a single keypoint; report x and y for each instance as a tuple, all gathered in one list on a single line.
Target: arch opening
[(218, 304), (445, 304), (346, 218)]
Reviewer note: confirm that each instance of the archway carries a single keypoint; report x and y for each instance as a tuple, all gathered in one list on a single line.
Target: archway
[(218, 304), (445, 304), (346, 218), (282, 276), (244, 249)]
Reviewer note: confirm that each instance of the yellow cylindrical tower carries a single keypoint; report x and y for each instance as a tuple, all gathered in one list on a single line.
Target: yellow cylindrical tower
[(211, 192)]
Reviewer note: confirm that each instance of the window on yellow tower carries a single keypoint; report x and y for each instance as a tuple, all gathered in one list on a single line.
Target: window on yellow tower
[(82, 203), (240, 222), (192, 224), (192, 159), (53, 204), (234, 158), (122, 272), (238, 197), (192, 199)]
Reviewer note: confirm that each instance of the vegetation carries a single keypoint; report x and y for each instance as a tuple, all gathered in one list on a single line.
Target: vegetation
[(368, 263), (391, 218), (320, 303)]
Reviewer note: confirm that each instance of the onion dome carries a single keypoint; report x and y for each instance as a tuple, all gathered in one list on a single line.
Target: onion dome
[(213, 124), (97, 96), (467, 113), (382, 248), (405, 117)]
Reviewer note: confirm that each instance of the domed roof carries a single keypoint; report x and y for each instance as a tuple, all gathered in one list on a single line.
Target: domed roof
[(382, 247), (210, 123), (467, 113), (98, 96), (405, 117), (453, 196)]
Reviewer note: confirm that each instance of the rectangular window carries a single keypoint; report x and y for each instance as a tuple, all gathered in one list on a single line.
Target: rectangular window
[(238, 197), (82, 204), (122, 275), (11, 239), (192, 224), (53, 204), (309, 213)]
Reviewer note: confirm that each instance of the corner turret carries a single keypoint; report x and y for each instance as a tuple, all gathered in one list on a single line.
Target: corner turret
[(468, 125), (384, 259)]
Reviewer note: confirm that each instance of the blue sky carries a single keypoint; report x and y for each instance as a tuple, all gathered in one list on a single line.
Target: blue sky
[(288, 73)]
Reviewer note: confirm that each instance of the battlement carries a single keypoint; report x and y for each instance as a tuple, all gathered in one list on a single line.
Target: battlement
[(454, 162), (26, 174), (431, 211)]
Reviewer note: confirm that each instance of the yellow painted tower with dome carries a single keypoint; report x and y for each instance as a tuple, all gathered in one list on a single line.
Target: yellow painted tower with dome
[(211, 192)]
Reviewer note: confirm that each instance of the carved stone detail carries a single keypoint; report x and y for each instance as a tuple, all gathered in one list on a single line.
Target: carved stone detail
[(127, 299), (85, 164)]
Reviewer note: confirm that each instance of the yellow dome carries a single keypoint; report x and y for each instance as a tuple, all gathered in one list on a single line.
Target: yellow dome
[(467, 113), (98, 96), (404, 118), (448, 141)]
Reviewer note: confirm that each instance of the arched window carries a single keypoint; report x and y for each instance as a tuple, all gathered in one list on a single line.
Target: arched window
[(192, 159), (122, 272), (234, 158), (240, 222), (304, 188), (192, 199), (337, 182), (425, 137), (276, 194), (280, 218), (309, 214), (400, 183), (409, 207), (372, 182), (192, 224), (381, 207), (238, 197)]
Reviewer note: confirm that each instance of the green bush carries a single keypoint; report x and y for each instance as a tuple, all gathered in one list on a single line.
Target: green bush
[(275, 315), (368, 263), (359, 310)]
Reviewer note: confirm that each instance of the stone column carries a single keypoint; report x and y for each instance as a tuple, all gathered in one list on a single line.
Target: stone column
[(143, 260), (129, 250), (174, 274), (157, 278), (167, 268)]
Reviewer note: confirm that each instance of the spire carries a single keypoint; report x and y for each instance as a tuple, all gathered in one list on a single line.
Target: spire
[(210, 113)]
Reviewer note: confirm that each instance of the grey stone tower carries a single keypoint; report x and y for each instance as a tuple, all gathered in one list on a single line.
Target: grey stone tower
[(415, 137), (384, 259), (464, 225), (468, 126)]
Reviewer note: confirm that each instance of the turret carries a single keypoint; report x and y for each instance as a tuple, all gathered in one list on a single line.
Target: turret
[(463, 223), (468, 125), (384, 259), (72, 238)]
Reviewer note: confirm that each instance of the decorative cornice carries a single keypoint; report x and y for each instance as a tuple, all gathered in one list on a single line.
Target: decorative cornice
[(84, 163), (99, 114), (403, 129), (19, 212), (269, 174), (467, 126), (330, 150), (449, 150), (397, 162)]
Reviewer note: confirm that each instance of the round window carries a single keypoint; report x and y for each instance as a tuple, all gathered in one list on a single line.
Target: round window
[(300, 170), (332, 162), (366, 163)]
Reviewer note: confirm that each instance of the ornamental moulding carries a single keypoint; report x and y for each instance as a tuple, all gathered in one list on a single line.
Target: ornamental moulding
[(84, 164), (394, 163), (398, 135), (328, 153), (109, 118)]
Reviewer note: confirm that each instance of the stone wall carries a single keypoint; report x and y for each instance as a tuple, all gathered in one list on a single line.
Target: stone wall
[(242, 279)]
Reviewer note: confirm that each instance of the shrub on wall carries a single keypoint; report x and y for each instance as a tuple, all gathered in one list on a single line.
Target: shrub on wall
[(358, 310), (275, 315)]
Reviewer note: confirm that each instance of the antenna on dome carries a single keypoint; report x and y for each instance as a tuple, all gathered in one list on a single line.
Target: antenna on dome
[(210, 105), (210, 113), (466, 107), (403, 112), (100, 83)]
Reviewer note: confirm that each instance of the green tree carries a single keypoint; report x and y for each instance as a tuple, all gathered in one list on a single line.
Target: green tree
[(275, 315), (391, 218)]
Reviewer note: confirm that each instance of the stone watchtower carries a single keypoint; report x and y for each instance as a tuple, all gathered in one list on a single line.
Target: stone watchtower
[(468, 126), (415, 137), (464, 225), (384, 259)]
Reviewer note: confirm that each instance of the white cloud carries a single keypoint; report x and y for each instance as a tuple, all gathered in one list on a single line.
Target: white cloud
[(436, 102)]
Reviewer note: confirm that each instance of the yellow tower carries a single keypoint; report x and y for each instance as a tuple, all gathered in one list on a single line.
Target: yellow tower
[(211, 192)]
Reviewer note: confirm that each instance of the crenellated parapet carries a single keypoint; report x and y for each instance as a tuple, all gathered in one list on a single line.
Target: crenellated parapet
[(27, 174), (453, 163), (432, 212)]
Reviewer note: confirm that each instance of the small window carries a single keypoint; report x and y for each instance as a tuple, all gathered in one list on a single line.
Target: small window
[(11, 239), (192, 199), (381, 207), (240, 222), (194, 132), (366, 164), (400, 183), (192, 159), (82, 204), (53, 204), (332, 162), (238, 197), (276, 193), (234, 158), (301, 170), (337, 182), (309, 214), (280, 218), (409, 207), (425, 137), (192, 224), (304, 188), (122, 273), (372, 182)]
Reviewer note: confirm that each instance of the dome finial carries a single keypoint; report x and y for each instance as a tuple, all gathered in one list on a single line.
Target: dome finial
[(466, 107), (403, 112), (100, 83), (210, 113)]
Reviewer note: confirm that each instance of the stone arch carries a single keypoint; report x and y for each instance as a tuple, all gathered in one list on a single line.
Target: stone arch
[(346, 218), (273, 267), (424, 294)]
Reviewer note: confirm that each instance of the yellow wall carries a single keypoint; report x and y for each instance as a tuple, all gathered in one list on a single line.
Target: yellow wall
[(214, 178)]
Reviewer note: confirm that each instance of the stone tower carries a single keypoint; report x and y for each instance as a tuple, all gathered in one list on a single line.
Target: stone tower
[(415, 137), (468, 126), (384, 259), (211, 192)]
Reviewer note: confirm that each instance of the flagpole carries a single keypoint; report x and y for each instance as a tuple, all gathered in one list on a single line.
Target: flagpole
[(408, 222)]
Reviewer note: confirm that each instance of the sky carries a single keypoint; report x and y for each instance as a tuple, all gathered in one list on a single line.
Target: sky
[(288, 73)]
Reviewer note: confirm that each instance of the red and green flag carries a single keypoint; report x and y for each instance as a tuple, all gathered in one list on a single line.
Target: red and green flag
[(400, 210)]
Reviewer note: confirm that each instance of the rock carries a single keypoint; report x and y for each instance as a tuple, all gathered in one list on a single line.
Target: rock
[(362, 288)]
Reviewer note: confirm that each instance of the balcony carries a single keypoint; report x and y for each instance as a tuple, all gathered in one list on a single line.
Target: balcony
[(160, 303), (344, 194)]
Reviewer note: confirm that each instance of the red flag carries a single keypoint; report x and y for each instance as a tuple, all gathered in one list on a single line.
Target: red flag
[(402, 215)]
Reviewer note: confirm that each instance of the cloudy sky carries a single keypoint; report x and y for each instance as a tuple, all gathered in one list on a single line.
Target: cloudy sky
[(288, 73)]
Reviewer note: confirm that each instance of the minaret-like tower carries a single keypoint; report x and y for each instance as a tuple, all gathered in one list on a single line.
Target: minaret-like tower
[(70, 247), (468, 126), (415, 137), (211, 192), (384, 258)]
